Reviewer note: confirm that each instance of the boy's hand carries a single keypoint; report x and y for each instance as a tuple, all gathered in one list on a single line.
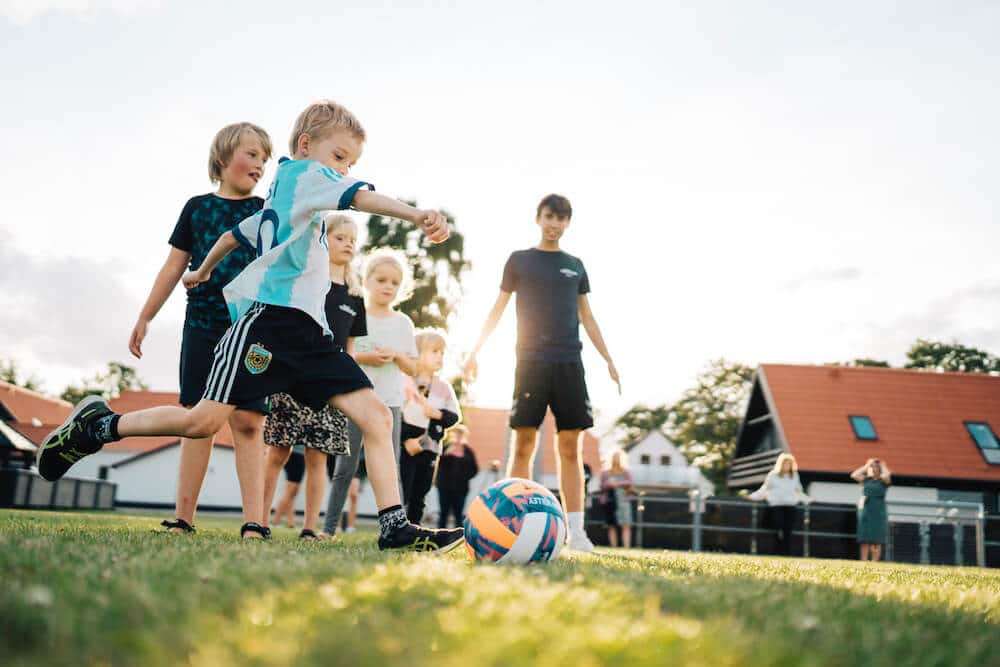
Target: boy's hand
[(434, 224), (471, 369), (413, 446), (135, 340), (613, 372), (192, 279)]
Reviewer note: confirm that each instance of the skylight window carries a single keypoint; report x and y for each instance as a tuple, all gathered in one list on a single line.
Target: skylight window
[(986, 440), (863, 427)]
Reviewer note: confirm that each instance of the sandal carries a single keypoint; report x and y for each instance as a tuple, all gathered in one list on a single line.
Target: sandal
[(254, 527), (309, 535), (176, 523)]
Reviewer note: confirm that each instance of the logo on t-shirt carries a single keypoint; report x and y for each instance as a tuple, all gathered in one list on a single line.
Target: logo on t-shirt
[(258, 359), (569, 273), (347, 309)]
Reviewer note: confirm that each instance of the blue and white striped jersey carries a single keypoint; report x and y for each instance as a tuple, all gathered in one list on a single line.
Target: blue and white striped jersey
[(292, 268)]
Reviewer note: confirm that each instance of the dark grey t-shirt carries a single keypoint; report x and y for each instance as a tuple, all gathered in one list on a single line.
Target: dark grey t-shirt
[(548, 286)]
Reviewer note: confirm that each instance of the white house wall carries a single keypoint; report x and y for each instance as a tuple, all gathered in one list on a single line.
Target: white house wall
[(90, 466), (849, 493)]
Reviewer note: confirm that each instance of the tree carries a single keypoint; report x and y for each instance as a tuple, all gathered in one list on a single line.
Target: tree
[(10, 373), (705, 421), (437, 268), (639, 421), (863, 362), (937, 356), (110, 385)]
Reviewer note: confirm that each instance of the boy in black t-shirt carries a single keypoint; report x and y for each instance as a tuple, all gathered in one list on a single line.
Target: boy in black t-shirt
[(236, 163), (552, 289)]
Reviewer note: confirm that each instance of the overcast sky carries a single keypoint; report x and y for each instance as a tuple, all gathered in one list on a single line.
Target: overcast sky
[(762, 181)]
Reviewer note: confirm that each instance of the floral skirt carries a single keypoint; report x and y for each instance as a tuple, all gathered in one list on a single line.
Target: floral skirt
[(292, 423)]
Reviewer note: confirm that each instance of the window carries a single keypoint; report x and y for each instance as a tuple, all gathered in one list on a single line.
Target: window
[(644, 459), (863, 427), (664, 460), (986, 440)]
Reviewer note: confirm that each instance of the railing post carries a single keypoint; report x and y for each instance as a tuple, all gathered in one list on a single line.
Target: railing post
[(925, 543), (980, 539), (805, 531), (956, 532), (753, 525), (640, 508), (696, 509)]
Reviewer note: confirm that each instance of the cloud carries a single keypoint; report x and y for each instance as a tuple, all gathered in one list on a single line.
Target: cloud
[(843, 274), (22, 12)]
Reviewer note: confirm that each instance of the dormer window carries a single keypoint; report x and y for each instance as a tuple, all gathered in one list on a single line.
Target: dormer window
[(986, 440), (863, 427)]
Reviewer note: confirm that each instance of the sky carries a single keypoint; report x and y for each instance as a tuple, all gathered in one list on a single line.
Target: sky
[(767, 182)]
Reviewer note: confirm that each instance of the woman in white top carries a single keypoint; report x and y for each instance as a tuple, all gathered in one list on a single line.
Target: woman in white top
[(783, 491)]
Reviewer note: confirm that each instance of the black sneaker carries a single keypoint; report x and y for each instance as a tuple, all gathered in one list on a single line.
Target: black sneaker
[(417, 538), (73, 440)]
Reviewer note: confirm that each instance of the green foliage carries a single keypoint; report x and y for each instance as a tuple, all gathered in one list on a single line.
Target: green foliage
[(437, 268), (860, 363), (86, 589), (640, 420), (111, 384), (937, 356), (10, 372)]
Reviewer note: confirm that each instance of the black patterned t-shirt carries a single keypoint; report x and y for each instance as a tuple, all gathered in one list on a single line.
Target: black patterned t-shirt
[(204, 219)]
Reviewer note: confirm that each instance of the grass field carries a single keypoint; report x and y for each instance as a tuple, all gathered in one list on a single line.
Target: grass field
[(102, 589)]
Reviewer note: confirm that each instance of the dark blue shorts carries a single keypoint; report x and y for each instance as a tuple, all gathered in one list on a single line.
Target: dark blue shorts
[(272, 350), (197, 355), (559, 385)]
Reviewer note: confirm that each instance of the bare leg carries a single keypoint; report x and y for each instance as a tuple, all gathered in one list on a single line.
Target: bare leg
[(613, 535), (286, 505), (201, 421), (248, 434), (195, 454), (864, 551), (876, 552), (627, 536), (274, 460), (352, 501), (523, 457), (570, 470), (375, 421), (315, 486)]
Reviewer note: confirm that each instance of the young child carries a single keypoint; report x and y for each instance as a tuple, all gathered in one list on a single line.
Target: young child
[(385, 354), (456, 468), (323, 432), (236, 162), (431, 409), (280, 340), (552, 289)]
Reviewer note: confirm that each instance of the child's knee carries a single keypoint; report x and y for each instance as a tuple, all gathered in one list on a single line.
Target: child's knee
[(245, 424), (202, 424)]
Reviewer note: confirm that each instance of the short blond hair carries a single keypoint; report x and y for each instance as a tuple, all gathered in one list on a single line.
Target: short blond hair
[(227, 140), (780, 463), (426, 338), (395, 258), (333, 222), (320, 117)]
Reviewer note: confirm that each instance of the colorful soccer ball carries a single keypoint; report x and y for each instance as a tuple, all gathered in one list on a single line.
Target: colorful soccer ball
[(515, 521)]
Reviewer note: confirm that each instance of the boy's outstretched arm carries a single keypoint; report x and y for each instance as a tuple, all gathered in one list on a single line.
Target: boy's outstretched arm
[(166, 281), (471, 368), (594, 333), (225, 245), (433, 224)]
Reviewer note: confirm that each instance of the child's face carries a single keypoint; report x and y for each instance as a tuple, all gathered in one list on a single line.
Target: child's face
[(337, 149), (340, 243), (383, 284), (432, 357), (552, 225), (246, 166)]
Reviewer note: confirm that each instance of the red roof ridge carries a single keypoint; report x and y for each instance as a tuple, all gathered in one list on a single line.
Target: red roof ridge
[(881, 369), (36, 394)]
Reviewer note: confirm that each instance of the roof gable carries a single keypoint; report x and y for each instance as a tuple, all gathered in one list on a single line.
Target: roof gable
[(26, 405), (919, 417)]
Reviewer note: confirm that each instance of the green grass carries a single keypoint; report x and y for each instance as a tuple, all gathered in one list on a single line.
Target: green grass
[(102, 589)]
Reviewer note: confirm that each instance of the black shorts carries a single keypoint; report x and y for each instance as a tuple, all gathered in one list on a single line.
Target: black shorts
[(295, 467), (560, 385), (272, 349), (197, 354)]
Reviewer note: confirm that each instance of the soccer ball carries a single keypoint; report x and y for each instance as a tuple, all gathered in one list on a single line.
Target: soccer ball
[(515, 521)]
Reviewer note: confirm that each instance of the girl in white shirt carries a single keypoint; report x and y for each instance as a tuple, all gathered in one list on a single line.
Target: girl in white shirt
[(783, 492)]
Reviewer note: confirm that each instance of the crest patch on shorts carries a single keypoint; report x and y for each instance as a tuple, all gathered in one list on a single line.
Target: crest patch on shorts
[(258, 359)]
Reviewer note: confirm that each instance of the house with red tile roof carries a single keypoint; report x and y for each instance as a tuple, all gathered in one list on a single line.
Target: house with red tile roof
[(937, 432), (26, 417)]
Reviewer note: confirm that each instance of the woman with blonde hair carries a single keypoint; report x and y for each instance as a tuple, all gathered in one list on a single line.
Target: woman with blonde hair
[(783, 492), (616, 484), (873, 521)]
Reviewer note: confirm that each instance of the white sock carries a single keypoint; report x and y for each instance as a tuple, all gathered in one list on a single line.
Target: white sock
[(575, 521)]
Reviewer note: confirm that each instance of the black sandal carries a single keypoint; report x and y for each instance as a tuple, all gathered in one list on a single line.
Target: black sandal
[(310, 535), (176, 523), (254, 527)]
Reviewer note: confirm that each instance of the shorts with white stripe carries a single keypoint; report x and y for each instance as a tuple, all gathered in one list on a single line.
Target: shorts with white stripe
[(274, 349)]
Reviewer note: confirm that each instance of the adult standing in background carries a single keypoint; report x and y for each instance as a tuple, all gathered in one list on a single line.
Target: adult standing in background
[(873, 520), (783, 492)]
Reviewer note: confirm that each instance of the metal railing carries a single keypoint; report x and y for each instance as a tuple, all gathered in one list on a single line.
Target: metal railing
[(917, 529)]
